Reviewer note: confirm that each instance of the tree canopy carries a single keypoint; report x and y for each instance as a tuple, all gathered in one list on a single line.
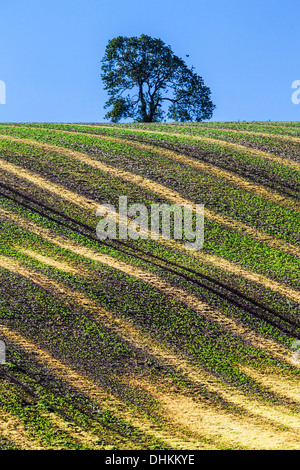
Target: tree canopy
[(141, 74)]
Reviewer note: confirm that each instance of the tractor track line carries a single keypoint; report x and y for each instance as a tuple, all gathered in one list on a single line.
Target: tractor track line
[(234, 396), (189, 278), (137, 180), (211, 280), (176, 294)]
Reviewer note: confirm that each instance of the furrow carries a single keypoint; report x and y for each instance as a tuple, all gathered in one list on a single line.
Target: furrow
[(238, 181), (242, 148), (176, 294), (198, 376), (261, 429), (213, 260), (84, 385), (140, 181)]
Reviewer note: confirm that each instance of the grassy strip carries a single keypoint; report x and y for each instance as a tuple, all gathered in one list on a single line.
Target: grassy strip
[(237, 161), (215, 192), (215, 240), (219, 150), (251, 139), (167, 254), (30, 392), (134, 130), (207, 342), (267, 296)]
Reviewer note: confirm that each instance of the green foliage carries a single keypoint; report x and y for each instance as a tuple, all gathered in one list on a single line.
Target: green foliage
[(148, 68)]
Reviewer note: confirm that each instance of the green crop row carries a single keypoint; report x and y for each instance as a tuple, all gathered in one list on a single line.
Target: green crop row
[(217, 153), (271, 144), (171, 322), (219, 240), (216, 193)]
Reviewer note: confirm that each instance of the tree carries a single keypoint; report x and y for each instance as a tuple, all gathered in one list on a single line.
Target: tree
[(150, 73)]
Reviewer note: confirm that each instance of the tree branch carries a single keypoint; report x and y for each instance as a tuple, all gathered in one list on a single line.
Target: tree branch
[(169, 99)]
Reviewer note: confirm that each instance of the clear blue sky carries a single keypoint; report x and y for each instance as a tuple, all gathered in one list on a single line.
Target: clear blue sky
[(246, 51)]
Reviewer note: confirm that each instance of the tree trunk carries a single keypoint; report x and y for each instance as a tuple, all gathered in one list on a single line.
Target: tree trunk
[(143, 103)]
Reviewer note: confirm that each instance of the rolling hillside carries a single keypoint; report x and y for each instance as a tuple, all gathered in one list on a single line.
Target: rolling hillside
[(143, 344)]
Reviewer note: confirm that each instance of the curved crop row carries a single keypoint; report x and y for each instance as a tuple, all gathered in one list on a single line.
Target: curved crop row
[(142, 344)]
